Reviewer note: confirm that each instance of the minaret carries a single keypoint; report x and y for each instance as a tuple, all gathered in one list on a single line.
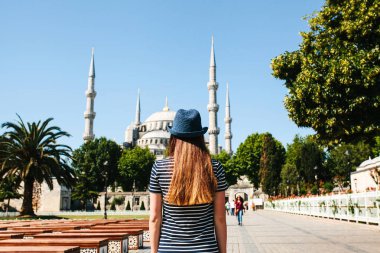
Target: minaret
[(89, 114), (228, 120), (212, 106), (137, 116), (166, 108)]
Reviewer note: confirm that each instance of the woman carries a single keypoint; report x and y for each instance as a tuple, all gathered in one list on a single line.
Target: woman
[(239, 209), (189, 186)]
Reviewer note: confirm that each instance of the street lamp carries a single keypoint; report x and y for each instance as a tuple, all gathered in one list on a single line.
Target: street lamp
[(105, 189), (133, 191), (356, 185)]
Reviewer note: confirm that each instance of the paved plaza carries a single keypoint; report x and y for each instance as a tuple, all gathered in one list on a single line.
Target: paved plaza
[(270, 231)]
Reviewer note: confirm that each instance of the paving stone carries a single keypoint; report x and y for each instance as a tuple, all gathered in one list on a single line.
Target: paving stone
[(276, 232)]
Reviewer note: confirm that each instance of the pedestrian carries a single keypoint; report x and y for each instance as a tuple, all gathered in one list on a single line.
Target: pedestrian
[(232, 207), (227, 205), (187, 193), (239, 208)]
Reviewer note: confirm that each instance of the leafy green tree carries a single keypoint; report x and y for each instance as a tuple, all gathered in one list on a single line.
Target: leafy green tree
[(376, 147), (135, 166), (9, 189), (333, 78), (247, 158), (271, 162), (95, 163), (231, 171), (260, 169), (344, 159), (32, 153), (304, 164)]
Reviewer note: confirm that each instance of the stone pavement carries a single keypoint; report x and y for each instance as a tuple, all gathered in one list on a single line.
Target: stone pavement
[(275, 232)]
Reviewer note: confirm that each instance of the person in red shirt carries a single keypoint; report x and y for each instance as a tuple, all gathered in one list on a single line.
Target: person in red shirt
[(239, 209)]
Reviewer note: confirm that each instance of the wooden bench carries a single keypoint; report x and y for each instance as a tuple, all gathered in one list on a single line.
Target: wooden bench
[(117, 242), (98, 245), (11, 236), (143, 226), (27, 232), (42, 249), (135, 238)]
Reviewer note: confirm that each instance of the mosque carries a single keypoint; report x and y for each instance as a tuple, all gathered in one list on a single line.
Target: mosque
[(152, 133)]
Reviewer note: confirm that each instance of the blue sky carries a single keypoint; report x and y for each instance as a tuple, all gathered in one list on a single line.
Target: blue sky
[(161, 47)]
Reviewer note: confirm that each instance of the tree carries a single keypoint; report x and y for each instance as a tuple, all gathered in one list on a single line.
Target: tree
[(344, 159), (271, 162), (9, 188), (135, 165), (333, 78), (31, 152), (376, 147), (231, 171), (304, 164), (260, 157), (247, 158), (95, 163)]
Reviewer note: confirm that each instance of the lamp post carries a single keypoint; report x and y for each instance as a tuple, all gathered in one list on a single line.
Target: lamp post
[(356, 185), (105, 189), (133, 192), (316, 178)]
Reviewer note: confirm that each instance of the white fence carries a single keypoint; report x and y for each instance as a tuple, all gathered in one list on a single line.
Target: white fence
[(359, 207)]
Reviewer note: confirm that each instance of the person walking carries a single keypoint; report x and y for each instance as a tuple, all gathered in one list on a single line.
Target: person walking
[(239, 208), (187, 193), (232, 206), (227, 205)]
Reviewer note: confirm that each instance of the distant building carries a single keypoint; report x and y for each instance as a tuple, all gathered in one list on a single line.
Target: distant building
[(365, 177)]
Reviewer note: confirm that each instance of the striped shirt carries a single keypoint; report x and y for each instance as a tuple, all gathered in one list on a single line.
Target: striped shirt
[(185, 228)]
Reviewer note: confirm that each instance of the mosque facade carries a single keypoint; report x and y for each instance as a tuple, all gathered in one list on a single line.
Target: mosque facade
[(153, 133)]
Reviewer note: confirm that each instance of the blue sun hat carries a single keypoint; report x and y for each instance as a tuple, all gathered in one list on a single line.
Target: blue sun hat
[(187, 123)]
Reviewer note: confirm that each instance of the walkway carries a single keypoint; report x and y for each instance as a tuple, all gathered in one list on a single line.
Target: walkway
[(275, 232), (270, 231)]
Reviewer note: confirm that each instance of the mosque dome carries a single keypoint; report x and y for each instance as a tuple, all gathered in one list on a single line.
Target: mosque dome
[(161, 116), (153, 133)]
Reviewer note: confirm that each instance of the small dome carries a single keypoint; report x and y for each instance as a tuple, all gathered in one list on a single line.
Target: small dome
[(370, 163), (156, 134), (161, 116)]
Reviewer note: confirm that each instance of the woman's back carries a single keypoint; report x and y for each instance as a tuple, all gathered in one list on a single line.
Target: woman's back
[(185, 228)]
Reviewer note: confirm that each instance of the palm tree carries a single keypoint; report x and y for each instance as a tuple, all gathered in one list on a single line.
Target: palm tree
[(31, 152)]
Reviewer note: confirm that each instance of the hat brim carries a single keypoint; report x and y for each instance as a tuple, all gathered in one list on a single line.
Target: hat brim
[(187, 134)]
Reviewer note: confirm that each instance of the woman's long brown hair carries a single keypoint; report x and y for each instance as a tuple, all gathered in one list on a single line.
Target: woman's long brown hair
[(193, 180)]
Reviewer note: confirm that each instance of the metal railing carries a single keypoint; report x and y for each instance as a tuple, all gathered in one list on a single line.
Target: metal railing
[(358, 207)]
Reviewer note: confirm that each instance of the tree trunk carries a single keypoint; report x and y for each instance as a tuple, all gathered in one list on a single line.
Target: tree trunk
[(27, 207)]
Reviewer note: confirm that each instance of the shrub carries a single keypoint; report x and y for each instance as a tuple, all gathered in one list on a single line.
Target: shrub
[(142, 207), (128, 208), (118, 200), (113, 206), (303, 191), (314, 190), (328, 186)]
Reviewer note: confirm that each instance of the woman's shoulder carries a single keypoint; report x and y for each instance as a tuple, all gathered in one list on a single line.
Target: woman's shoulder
[(164, 162), (216, 165)]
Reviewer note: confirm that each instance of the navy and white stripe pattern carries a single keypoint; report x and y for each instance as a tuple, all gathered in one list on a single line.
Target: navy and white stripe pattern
[(185, 228)]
